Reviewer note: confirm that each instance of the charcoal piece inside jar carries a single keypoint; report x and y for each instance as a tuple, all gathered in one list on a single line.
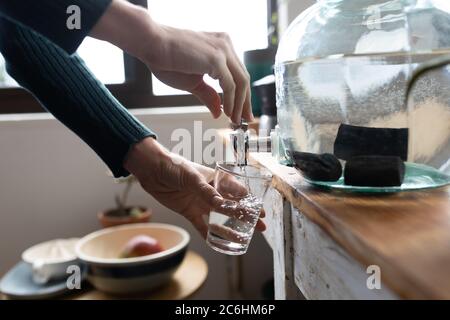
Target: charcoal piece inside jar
[(374, 171), (353, 141), (317, 167)]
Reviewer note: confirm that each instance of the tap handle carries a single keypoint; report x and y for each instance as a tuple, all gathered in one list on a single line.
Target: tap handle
[(242, 125)]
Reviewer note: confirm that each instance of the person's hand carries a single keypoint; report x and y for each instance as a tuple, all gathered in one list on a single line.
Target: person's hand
[(178, 184), (180, 58), (185, 56)]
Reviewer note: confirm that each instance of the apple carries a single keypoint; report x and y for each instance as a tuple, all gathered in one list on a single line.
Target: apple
[(141, 245)]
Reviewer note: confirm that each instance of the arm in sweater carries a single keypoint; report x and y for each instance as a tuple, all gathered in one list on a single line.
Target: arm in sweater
[(67, 89)]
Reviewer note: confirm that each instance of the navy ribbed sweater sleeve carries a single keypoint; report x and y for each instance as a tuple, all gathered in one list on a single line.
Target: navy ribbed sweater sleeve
[(49, 18), (67, 89)]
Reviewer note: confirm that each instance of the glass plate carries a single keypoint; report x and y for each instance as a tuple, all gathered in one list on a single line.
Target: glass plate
[(417, 177)]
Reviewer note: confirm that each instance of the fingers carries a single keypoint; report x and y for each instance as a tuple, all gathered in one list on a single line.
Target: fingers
[(242, 82), (261, 226), (194, 54), (201, 226), (230, 234), (206, 172), (226, 81), (234, 80), (202, 188), (209, 97), (223, 231), (245, 106), (262, 214), (210, 195), (235, 210), (247, 113), (196, 85), (230, 188), (226, 232)]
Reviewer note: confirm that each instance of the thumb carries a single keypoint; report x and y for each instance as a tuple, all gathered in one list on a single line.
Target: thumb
[(206, 192), (209, 97)]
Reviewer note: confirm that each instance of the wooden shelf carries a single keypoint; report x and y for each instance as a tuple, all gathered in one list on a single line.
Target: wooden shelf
[(406, 234)]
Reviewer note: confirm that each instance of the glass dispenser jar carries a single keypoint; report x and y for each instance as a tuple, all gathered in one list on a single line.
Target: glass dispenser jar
[(342, 71)]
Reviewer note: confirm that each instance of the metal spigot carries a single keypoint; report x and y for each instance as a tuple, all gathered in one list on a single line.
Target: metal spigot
[(240, 142)]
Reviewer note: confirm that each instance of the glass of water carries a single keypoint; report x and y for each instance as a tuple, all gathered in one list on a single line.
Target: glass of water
[(243, 188)]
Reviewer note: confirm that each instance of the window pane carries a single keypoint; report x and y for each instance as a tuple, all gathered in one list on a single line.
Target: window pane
[(104, 60), (5, 79), (244, 20)]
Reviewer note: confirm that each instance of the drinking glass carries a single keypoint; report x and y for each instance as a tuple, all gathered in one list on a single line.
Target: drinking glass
[(231, 226)]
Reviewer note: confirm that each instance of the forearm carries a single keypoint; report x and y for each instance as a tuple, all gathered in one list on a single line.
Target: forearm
[(129, 27)]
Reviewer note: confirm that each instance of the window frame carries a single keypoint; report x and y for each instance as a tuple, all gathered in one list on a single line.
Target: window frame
[(135, 92)]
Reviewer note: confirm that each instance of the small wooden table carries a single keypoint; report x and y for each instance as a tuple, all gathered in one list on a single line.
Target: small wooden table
[(324, 241), (189, 277)]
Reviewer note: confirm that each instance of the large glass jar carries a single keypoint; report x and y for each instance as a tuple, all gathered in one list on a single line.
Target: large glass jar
[(349, 62)]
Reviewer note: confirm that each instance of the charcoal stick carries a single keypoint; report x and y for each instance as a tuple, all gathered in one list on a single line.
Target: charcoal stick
[(317, 167), (352, 141), (374, 171)]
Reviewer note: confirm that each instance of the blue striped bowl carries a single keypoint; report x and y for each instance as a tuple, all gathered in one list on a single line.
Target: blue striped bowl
[(109, 273)]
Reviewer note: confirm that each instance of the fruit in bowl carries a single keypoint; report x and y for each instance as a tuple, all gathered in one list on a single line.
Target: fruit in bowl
[(141, 245)]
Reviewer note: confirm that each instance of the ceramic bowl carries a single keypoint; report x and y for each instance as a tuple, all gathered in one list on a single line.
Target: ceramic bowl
[(109, 273)]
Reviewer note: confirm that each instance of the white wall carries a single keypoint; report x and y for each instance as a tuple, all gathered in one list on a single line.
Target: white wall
[(52, 185)]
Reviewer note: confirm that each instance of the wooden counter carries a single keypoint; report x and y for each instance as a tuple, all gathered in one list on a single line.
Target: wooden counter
[(324, 243)]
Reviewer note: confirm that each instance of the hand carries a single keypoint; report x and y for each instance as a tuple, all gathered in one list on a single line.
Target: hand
[(177, 183), (185, 56), (180, 58)]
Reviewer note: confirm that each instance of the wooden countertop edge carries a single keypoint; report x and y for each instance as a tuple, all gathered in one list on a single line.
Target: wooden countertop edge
[(356, 248), (397, 279)]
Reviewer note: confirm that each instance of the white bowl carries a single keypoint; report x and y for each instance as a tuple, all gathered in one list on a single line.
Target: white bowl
[(109, 273)]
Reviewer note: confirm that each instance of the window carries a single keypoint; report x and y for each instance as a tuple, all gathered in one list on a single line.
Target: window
[(5, 79), (245, 22), (129, 80), (107, 63), (104, 60)]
